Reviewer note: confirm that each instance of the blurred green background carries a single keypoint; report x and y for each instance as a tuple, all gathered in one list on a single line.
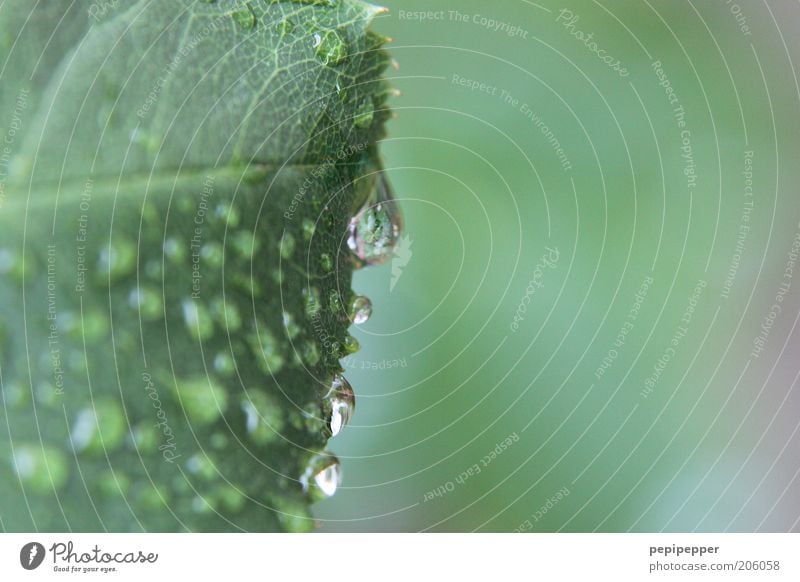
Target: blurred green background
[(561, 212)]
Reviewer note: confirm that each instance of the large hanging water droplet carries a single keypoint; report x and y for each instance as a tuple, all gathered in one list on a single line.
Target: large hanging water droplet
[(322, 477), (360, 310), (375, 229), (342, 400)]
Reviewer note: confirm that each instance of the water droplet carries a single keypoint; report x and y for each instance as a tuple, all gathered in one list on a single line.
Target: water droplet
[(375, 229), (224, 364), (197, 319), (334, 302), (360, 310), (342, 401), (153, 498), (143, 437), (147, 302), (269, 354), (212, 253), (202, 399), (245, 243), (351, 345), (330, 47), (292, 329), (226, 314), (311, 354), (100, 428), (84, 429), (308, 228), (219, 440), (326, 262), (174, 250), (245, 17), (287, 245), (263, 418), (14, 395), (229, 213), (322, 477), (200, 465), (42, 469), (152, 269), (117, 259), (200, 505), (312, 301), (364, 115), (7, 261), (286, 27), (231, 498), (113, 483)]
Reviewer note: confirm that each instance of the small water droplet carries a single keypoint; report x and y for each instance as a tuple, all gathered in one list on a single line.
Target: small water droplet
[(375, 229), (308, 228), (227, 212), (269, 352), (99, 428), (43, 469), (202, 399), (219, 440), (364, 115), (351, 345), (263, 417), (197, 319), (287, 245), (200, 505), (224, 364), (212, 254), (334, 302), (245, 17), (311, 354), (7, 261), (285, 27), (292, 329), (152, 269), (245, 243), (342, 400), (147, 301), (313, 304), (226, 314), (323, 476), (200, 465), (117, 259), (173, 250), (326, 262), (231, 498), (330, 46), (360, 310), (83, 430)]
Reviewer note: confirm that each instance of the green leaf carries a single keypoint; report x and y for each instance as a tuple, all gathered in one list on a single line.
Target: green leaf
[(176, 181)]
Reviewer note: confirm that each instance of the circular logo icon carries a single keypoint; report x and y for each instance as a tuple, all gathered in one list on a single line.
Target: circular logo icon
[(31, 555)]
